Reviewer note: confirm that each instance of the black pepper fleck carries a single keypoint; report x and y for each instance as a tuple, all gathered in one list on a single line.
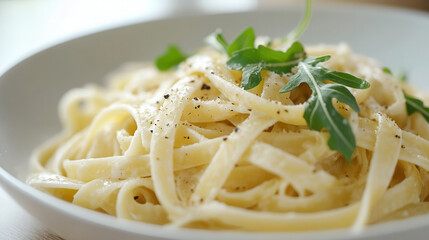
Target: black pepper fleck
[(166, 96), (205, 87)]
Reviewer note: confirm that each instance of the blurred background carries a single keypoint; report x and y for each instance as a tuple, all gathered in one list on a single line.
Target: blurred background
[(28, 25)]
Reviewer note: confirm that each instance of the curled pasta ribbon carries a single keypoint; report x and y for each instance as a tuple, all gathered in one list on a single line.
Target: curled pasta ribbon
[(190, 148), (383, 163), (161, 154)]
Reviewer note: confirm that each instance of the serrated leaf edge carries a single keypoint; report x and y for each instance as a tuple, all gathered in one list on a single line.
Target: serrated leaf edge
[(320, 98)]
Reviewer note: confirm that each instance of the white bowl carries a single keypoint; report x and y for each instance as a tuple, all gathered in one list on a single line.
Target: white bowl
[(30, 91)]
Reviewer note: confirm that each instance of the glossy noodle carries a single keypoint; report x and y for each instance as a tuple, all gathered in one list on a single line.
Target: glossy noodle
[(191, 148)]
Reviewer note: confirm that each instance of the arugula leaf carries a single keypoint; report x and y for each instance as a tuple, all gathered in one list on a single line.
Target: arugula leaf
[(245, 39), (412, 104), (253, 60), (416, 105), (170, 58), (387, 70), (217, 41), (319, 111)]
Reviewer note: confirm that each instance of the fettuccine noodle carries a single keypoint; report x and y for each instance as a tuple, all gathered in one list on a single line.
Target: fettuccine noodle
[(190, 148)]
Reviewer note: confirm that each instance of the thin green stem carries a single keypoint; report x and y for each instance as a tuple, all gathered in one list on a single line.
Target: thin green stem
[(299, 30)]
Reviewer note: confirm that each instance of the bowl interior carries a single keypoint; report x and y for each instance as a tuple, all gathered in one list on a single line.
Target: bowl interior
[(30, 91)]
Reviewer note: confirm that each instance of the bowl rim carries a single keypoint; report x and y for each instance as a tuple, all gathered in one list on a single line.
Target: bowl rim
[(152, 230), (11, 183), (317, 6)]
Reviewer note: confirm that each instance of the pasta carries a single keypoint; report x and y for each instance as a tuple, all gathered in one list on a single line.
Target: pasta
[(190, 148)]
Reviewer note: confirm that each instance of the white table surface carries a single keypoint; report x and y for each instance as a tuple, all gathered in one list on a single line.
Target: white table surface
[(52, 21)]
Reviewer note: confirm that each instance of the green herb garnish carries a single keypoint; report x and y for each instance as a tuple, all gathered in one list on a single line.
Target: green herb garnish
[(245, 39), (400, 77), (319, 110), (387, 70), (412, 104), (299, 30), (253, 60), (416, 105), (170, 58)]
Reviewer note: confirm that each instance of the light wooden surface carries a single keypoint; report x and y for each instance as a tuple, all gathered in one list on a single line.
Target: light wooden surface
[(415, 4), (422, 5), (18, 38), (17, 224)]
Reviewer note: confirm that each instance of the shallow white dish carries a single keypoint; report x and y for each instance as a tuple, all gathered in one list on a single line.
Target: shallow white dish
[(30, 90)]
